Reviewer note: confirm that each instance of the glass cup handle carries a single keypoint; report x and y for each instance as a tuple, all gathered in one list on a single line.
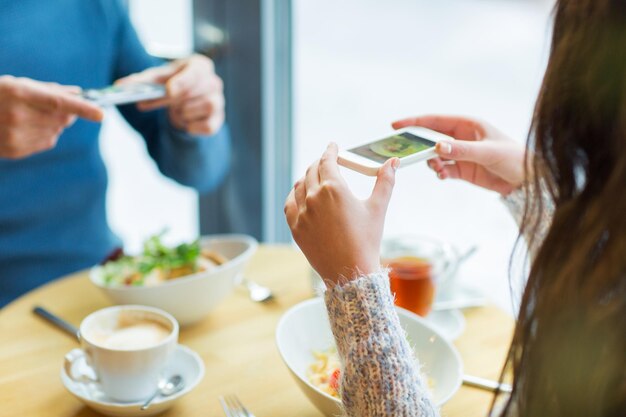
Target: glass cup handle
[(453, 260), (70, 359)]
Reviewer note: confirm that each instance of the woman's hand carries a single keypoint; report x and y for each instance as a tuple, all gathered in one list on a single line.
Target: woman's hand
[(482, 155), (339, 234)]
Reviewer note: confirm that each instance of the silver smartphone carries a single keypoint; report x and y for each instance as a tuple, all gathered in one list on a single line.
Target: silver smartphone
[(116, 95)]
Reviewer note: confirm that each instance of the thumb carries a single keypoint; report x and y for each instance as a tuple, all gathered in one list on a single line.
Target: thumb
[(481, 152), (156, 75), (386, 179)]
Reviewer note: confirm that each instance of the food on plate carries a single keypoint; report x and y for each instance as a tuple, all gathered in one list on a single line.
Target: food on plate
[(325, 372), (397, 146), (159, 263)]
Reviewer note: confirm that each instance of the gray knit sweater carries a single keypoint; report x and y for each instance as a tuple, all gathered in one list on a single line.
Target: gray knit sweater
[(380, 375)]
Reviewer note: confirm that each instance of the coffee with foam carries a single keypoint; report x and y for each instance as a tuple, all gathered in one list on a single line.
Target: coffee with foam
[(130, 333), (125, 349)]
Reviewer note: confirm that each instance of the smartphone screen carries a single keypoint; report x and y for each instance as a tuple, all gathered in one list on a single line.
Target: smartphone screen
[(396, 146), (123, 94)]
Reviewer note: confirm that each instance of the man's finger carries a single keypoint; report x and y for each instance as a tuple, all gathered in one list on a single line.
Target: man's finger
[(71, 89), (201, 107), (178, 99), (208, 126), (158, 75), (195, 74), (182, 83), (57, 102), (159, 103)]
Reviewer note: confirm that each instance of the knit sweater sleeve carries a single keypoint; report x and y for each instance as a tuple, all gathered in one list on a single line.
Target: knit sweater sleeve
[(380, 373), (541, 212)]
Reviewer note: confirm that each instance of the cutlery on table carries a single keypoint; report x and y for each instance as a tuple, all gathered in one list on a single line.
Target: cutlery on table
[(57, 321), (458, 304), (233, 407), (486, 384), (166, 388), (256, 292)]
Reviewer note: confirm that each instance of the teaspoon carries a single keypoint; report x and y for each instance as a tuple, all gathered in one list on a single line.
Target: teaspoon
[(169, 387), (257, 293)]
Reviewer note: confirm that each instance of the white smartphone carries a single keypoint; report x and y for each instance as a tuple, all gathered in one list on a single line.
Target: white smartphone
[(411, 144), (124, 94)]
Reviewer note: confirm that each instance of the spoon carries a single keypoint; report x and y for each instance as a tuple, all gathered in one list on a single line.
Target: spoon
[(486, 384), (166, 388), (257, 293)]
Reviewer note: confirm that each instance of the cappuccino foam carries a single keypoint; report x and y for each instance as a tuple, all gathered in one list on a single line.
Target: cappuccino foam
[(138, 335)]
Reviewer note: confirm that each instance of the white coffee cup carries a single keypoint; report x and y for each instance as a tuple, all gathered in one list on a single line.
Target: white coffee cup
[(125, 350)]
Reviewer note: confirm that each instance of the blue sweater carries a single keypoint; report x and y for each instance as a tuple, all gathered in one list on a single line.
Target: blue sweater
[(52, 205)]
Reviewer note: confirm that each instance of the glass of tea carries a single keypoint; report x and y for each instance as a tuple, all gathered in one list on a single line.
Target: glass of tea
[(415, 264)]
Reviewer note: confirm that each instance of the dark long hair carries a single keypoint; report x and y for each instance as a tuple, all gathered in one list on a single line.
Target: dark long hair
[(568, 355)]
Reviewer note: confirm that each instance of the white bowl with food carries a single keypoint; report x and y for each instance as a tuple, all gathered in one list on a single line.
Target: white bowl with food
[(306, 344), (187, 280)]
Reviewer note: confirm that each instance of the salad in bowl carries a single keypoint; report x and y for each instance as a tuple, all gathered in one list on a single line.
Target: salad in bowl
[(159, 263), (187, 280)]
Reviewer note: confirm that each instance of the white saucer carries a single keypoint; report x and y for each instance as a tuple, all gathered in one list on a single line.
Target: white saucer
[(185, 362), (450, 323)]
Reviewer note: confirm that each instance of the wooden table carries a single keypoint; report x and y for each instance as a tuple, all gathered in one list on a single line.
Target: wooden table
[(236, 343)]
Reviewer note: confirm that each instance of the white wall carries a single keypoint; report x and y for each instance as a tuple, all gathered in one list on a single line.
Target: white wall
[(360, 64)]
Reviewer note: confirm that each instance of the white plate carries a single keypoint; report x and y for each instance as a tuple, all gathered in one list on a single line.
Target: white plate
[(450, 323), (201, 291), (185, 362), (304, 328)]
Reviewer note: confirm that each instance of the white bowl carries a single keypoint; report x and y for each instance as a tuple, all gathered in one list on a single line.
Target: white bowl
[(305, 328), (190, 298)]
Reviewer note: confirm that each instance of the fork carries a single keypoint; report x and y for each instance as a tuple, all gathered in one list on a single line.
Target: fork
[(233, 407)]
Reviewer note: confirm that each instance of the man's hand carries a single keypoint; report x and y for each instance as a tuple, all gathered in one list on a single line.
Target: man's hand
[(195, 94), (33, 115)]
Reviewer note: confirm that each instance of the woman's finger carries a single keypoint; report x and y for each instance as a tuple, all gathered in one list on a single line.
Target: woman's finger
[(312, 177), (449, 167), (329, 169), (458, 127), (435, 164), (385, 181), (471, 151), (300, 194), (444, 124), (291, 209)]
